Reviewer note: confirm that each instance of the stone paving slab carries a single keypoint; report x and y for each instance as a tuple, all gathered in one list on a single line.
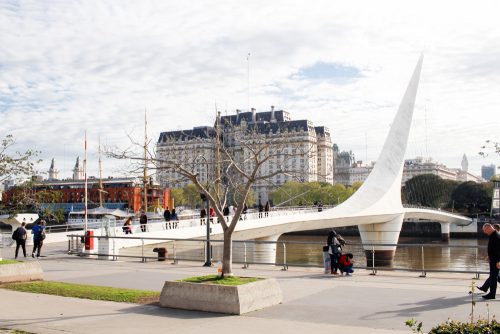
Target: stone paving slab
[(313, 301)]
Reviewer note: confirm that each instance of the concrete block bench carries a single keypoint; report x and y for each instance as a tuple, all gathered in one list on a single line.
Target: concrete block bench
[(221, 298), (21, 272)]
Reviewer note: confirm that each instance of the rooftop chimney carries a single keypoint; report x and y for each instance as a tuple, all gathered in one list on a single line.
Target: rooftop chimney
[(254, 119)]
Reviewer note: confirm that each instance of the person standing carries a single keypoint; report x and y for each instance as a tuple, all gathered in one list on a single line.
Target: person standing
[(38, 232), (21, 236), (493, 260), (143, 220), (261, 209), (166, 214), (203, 216), (267, 208), (225, 212), (335, 243)]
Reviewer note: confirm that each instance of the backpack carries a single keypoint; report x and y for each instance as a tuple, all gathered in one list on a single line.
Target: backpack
[(15, 235), (40, 234)]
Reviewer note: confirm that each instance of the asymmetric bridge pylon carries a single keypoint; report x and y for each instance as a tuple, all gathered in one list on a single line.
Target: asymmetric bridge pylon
[(376, 207)]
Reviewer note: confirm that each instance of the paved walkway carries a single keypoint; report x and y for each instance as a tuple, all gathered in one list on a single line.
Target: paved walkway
[(313, 302)]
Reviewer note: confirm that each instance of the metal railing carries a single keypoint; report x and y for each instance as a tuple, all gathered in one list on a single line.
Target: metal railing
[(422, 258)]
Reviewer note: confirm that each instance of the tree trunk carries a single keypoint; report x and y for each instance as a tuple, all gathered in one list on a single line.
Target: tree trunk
[(227, 255)]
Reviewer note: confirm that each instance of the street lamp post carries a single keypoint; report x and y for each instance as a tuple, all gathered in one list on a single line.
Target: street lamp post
[(204, 198), (208, 255)]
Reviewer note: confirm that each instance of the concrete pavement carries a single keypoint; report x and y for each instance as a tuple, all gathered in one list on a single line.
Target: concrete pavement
[(313, 302)]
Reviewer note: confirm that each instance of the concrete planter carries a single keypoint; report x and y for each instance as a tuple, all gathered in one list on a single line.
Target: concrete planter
[(221, 298), (21, 272)]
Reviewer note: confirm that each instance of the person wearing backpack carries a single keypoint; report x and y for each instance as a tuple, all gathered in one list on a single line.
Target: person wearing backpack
[(20, 235), (38, 232), (335, 243)]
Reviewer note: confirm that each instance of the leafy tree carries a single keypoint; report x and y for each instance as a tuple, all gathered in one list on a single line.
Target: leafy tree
[(302, 194), (428, 190), (472, 197), (178, 195), (14, 164), (26, 198)]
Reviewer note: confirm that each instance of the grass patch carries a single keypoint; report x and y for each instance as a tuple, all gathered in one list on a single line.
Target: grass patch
[(87, 292), (9, 262), (215, 279), (13, 331)]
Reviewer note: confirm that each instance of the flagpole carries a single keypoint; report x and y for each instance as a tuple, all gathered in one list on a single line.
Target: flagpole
[(85, 174)]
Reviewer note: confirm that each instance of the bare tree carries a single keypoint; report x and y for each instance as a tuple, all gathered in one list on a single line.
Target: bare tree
[(16, 163), (232, 158)]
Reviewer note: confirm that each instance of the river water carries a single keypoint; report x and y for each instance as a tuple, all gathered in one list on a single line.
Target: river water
[(455, 255), (302, 250)]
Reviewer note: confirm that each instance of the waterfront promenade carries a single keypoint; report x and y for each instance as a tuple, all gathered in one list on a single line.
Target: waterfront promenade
[(313, 302)]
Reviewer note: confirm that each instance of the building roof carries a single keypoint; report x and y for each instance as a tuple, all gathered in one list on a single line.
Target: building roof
[(200, 132)]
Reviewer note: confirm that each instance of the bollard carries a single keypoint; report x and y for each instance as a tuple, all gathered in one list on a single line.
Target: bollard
[(423, 274), (285, 266), (245, 262)]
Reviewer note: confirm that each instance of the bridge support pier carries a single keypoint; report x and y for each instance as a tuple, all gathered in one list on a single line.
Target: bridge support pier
[(381, 233), (266, 252), (445, 232)]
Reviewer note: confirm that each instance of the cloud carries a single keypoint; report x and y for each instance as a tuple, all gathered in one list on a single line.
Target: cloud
[(67, 66), (338, 73)]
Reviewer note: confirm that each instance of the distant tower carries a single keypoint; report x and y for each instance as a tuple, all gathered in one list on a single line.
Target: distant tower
[(77, 170), (53, 172), (465, 164)]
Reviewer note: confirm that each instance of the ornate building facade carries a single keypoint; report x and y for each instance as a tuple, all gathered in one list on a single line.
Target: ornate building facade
[(297, 150)]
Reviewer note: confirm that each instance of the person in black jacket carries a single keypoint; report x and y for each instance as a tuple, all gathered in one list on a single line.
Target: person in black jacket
[(335, 243), (494, 261), (21, 236)]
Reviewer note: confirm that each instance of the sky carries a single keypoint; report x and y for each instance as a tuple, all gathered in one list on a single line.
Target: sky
[(67, 67)]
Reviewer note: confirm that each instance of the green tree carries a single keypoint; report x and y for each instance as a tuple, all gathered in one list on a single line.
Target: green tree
[(178, 196), (303, 194), (472, 197), (191, 195), (428, 190)]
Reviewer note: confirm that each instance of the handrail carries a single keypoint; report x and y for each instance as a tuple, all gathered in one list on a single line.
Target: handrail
[(246, 252)]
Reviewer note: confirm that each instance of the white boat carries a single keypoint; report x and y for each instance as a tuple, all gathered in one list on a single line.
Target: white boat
[(96, 218)]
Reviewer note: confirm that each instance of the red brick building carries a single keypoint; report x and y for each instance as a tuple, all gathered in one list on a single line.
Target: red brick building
[(123, 193)]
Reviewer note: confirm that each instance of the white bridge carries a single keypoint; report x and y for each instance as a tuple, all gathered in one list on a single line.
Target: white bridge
[(375, 208)]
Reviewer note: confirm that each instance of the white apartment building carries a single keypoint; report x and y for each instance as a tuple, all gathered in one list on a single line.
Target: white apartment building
[(347, 171), (297, 150)]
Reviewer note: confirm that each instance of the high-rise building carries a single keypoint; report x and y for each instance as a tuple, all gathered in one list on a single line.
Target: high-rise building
[(487, 172), (297, 150)]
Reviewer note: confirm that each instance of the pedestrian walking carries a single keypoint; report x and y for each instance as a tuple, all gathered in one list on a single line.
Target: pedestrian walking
[(261, 209), (20, 235), (38, 232), (267, 208), (493, 261)]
